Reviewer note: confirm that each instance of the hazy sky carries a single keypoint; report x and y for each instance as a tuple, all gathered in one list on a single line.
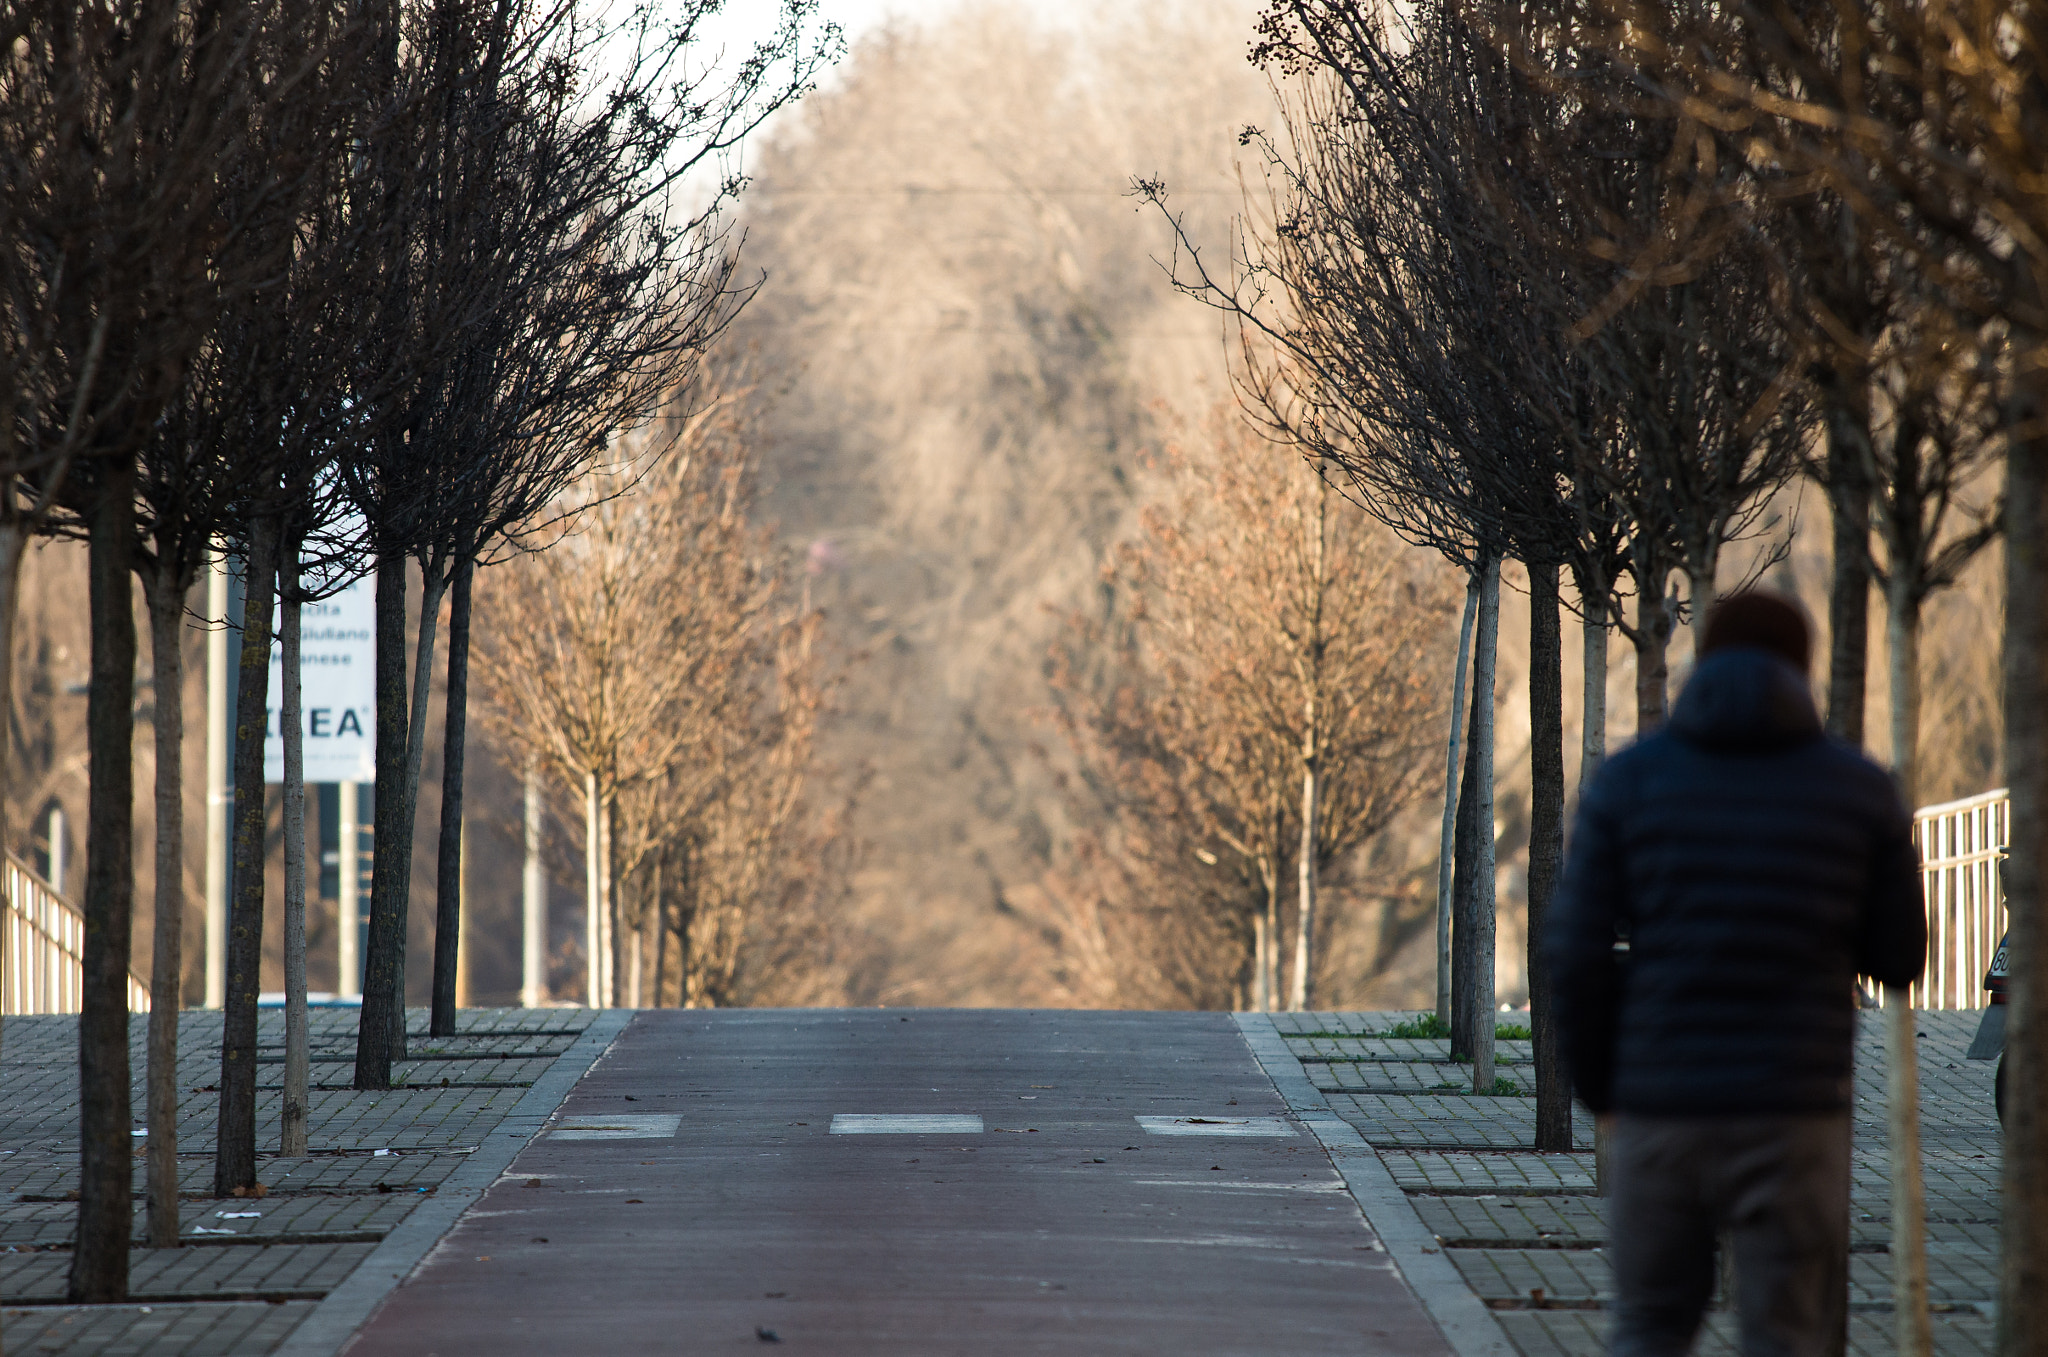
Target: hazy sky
[(857, 16), (743, 22), (748, 18)]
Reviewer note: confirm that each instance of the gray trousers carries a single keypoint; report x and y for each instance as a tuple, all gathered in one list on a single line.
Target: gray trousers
[(1777, 1185)]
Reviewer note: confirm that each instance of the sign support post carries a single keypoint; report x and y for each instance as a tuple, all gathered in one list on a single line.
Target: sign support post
[(220, 789)]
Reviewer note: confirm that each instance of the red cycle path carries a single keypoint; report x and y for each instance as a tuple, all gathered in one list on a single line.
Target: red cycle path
[(1062, 1228)]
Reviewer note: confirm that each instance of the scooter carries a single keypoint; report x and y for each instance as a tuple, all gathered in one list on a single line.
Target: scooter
[(1989, 1043)]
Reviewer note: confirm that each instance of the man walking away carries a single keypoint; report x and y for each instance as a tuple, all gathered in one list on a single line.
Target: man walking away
[(1751, 868)]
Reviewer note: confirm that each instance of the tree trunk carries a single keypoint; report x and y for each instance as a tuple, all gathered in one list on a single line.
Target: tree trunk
[(433, 587), (391, 859), (1592, 753), (1465, 860), (1652, 638), (1446, 844), (593, 894), (1913, 1331), (1480, 921), (1260, 1001), (1593, 689), (463, 956), (234, 1160), (99, 1263), (2023, 1280), (166, 597), (1305, 908), (608, 906), (647, 943), (686, 913), (448, 865), (1269, 869), (297, 1064), (1702, 599), (1546, 850), (1848, 488), (657, 928), (13, 543), (629, 946), (533, 955)]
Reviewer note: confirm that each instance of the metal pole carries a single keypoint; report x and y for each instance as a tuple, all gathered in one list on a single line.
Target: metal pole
[(533, 979), (348, 909), (57, 847), (220, 791)]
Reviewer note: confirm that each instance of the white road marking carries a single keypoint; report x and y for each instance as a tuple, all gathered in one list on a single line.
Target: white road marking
[(625, 1126), (1210, 1185), (1215, 1126), (905, 1124)]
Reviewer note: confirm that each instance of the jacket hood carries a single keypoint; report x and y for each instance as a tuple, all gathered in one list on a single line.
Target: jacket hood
[(1745, 698)]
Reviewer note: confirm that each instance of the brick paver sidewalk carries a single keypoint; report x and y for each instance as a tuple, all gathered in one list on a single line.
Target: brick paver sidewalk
[(1527, 1233), (253, 1269)]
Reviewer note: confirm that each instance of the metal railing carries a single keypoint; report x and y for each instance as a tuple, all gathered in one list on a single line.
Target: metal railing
[(41, 941), (1959, 849)]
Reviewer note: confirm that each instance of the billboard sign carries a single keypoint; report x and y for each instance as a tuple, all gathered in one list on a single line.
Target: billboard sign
[(337, 686)]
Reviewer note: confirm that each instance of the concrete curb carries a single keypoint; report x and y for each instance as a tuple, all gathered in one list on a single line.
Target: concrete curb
[(348, 1307), (1466, 1323)]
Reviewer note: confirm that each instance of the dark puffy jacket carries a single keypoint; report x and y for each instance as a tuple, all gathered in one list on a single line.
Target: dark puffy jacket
[(1756, 867)]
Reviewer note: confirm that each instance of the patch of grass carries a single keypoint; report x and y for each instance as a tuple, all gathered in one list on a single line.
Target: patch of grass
[(1428, 1027), (1502, 1088)]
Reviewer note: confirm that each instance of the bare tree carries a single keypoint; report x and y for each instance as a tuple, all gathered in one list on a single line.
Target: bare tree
[(125, 126), (1935, 434), (1269, 714), (649, 662), (1904, 128), (1381, 290), (541, 210)]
